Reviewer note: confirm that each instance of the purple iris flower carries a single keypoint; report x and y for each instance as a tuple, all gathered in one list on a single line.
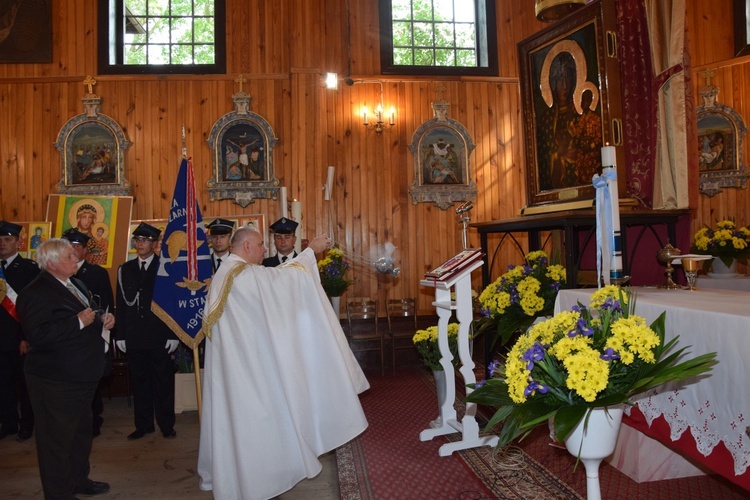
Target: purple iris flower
[(494, 368), (583, 328), (535, 386), (534, 353), (609, 354), (555, 286), (480, 384), (579, 308)]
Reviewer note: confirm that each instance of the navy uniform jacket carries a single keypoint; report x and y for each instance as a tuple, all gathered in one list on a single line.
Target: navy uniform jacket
[(136, 324), (96, 280), (276, 260), (60, 350), (19, 274)]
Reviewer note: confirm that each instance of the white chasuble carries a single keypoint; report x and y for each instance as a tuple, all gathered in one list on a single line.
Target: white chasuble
[(280, 383)]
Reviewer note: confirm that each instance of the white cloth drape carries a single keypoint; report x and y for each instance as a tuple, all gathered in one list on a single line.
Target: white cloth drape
[(666, 27), (280, 383)]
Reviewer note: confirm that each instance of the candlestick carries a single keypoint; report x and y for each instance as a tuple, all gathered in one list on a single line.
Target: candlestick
[(379, 111), (609, 164), (608, 156), (364, 115), (329, 183), (297, 216), (283, 209), (392, 121)]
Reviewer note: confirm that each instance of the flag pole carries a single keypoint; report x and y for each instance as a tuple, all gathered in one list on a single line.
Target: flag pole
[(197, 371)]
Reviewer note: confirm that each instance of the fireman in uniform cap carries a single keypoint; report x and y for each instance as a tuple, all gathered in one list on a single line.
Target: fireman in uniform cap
[(219, 233), (16, 415), (147, 340), (284, 240)]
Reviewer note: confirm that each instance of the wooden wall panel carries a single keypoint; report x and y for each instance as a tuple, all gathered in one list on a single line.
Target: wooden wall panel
[(283, 47)]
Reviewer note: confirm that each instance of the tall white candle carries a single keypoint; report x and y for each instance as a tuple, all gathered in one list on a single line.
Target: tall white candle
[(297, 216), (283, 209), (329, 183), (609, 161)]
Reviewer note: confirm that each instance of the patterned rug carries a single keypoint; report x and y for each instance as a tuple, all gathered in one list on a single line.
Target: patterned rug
[(389, 461)]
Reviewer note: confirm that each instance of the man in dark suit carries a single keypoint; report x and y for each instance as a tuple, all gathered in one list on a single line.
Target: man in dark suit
[(284, 240), (219, 233), (146, 339), (64, 364), (97, 281), (18, 273)]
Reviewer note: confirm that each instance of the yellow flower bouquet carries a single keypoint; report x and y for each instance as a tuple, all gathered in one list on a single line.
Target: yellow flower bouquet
[(519, 296), (426, 342), (727, 241), (332, 270), (592, 356)]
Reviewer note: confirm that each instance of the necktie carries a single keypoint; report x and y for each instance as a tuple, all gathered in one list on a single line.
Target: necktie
[(218, 263), (283, 259), (143, 266), (3, 263), (75, 292)]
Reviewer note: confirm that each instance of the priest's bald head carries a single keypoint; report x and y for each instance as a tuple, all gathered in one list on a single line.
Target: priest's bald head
[(247, 243)]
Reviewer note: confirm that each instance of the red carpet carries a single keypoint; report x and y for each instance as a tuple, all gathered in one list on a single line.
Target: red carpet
[(389, 461)]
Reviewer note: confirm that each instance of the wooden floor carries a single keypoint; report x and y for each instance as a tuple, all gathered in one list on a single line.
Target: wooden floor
[(150, 468)]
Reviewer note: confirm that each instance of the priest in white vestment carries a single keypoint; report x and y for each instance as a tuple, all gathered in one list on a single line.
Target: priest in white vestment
[(280, 383)]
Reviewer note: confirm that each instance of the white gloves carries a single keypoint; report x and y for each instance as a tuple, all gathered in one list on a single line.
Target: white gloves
[(172, 346), (121, 345)]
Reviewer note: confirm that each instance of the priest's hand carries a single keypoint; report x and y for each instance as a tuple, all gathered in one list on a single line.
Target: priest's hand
[(172, 346), (121, 345), (320, 243)]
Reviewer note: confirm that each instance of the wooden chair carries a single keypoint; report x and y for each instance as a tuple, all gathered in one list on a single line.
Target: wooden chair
[(359, 311), (401, 308)]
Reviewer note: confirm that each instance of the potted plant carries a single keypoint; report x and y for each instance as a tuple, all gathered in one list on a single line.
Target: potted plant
[(332, 269), (727, 242), (513, 301), (582, 366)]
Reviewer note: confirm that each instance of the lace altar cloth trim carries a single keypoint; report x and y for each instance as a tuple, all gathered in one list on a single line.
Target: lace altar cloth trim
[(704, 421)]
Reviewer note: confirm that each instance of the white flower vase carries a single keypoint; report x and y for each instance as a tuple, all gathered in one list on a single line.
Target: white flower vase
[(593, 441), (441, 388), (336, 304), (719, 267)]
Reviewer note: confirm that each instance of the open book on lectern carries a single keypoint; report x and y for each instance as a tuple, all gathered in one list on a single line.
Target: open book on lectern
[(455, 264)]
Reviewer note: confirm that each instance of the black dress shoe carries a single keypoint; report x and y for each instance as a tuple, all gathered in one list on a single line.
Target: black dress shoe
[(94, 488), (138, 434), (7, 431), (23, 435), (169, 434)]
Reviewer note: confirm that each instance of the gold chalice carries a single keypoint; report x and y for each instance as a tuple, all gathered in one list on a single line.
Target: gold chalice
[(665, 256), (690, 266)]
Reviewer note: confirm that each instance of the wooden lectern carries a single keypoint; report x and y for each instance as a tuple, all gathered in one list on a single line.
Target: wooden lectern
[(447, 422)]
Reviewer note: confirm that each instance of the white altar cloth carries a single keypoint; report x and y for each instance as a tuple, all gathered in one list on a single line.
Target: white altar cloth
[(714, 408), (738, 282)]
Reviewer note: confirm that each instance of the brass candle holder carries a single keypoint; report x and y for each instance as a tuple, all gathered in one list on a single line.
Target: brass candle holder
[(665, 256)]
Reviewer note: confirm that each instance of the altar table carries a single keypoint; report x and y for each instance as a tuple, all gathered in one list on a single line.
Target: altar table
[(714, 409), (738, 282)]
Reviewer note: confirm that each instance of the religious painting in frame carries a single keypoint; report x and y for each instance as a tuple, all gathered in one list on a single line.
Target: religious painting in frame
[(571, 105), (721, 135), (442, 148), (32, 235), (106, 219), (26, 31), (242, 144), (92, 149)]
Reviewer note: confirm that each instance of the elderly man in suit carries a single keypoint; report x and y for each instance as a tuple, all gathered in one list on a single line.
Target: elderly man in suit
[(97, 281), (147, 340), (284, 240), (18, 272), (63, 367)]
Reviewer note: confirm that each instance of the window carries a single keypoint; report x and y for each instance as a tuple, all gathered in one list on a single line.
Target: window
[(438, 37), (162, 36)]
